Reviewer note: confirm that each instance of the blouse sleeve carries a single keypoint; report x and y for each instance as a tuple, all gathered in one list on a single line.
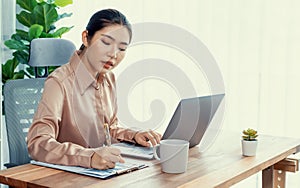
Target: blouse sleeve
[(122, 134), (42, 136)]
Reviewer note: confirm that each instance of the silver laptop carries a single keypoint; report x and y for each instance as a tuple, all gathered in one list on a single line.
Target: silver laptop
[(189, 122)]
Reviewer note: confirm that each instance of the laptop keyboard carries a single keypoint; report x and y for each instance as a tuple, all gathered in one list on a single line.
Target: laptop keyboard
[(133, 150)]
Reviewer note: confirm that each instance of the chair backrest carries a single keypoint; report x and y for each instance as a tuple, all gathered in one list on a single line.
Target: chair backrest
[(21, 98), (46, 52)]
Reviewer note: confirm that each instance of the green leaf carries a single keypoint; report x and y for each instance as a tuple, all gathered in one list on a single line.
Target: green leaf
[(50, 1), (41, 71), (27, 4), (35, 31), (61, 31), (15, 44), (26, 18), (45, 15), (52, 27), (8, 68), (18, 75), (21, 34), (64, 15), (16, 37), (5, 73), (21, 56), (62, 3), (52, 68), (30, 70), (46, 35)]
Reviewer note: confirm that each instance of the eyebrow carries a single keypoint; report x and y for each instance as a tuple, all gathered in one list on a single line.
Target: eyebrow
[(108, 36)]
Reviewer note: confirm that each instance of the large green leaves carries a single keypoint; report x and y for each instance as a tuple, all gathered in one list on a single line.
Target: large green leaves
[(27, 4), (21, 56), (21, 35), (42, 13), (15, 45), (26, 18), (58, 33), (40, 17), (62, 3), (8, 70), (45, 15), (35, 31)]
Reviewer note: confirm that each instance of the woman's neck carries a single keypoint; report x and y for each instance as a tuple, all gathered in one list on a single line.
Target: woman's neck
[(97, 75)]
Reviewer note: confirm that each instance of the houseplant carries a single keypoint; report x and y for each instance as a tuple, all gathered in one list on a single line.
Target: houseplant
[(249, 142), (38, 18)]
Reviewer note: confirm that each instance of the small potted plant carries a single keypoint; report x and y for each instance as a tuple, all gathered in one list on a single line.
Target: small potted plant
[(249, 142)]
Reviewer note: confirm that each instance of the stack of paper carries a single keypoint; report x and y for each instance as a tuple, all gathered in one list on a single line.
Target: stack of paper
[(120, 168)]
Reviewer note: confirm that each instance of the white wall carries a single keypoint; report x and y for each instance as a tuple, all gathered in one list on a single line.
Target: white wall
[(255, 43)]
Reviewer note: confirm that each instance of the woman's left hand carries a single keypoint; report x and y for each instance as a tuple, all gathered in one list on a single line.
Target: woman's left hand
[(143, 138)]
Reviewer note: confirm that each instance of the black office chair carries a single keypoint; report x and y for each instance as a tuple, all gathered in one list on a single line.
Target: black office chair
[(21, 97)]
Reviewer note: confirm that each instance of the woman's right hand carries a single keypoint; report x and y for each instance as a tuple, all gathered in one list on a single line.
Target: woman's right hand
[(106, 157)]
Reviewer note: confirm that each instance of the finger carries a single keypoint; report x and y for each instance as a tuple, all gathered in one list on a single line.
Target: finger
[(121, 160), (110, 165), (116, 159), (114, 151), (150, 138), (101, 164), (141, 139), (156, 136), (153, 141), (101, 167)]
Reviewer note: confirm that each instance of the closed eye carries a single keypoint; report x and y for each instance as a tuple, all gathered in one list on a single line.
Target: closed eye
[(105, 42)]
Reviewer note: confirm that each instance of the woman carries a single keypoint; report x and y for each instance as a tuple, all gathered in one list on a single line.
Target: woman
[(79, 98)]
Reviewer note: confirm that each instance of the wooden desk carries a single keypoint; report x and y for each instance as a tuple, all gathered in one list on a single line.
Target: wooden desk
[(222, 165)]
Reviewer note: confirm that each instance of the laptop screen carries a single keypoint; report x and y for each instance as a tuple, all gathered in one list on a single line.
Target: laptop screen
[(192, 118)]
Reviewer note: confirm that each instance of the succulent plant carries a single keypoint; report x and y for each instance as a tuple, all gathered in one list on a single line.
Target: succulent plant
[(249, 134)]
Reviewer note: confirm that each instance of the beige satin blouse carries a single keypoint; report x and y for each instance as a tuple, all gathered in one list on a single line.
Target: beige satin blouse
[(68, 125)]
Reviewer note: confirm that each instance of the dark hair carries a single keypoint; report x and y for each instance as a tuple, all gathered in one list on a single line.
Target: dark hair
[(104, 18)]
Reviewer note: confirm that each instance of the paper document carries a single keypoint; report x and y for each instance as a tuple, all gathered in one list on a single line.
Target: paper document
[(120, 168)]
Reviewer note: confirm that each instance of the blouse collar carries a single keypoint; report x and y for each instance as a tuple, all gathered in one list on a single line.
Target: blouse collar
[(83, 77)]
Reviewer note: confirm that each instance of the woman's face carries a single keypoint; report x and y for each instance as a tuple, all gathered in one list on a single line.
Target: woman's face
[(107, 48)]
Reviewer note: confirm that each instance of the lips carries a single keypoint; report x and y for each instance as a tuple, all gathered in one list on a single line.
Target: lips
[(108, 64)]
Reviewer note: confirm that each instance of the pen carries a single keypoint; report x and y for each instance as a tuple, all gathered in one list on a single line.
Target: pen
[(123, 171), (107, 134)]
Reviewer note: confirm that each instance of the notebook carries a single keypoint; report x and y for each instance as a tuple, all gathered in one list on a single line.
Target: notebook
[(189, 122), (120, 168)]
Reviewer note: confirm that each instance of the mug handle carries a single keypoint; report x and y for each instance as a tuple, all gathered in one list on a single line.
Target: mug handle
[(155, 152)]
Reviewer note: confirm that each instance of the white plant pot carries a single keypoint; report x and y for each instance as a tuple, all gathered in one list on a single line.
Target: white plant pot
[(249, 147)]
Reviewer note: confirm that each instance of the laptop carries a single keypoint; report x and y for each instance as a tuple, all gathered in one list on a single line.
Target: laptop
[(189, 122)]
